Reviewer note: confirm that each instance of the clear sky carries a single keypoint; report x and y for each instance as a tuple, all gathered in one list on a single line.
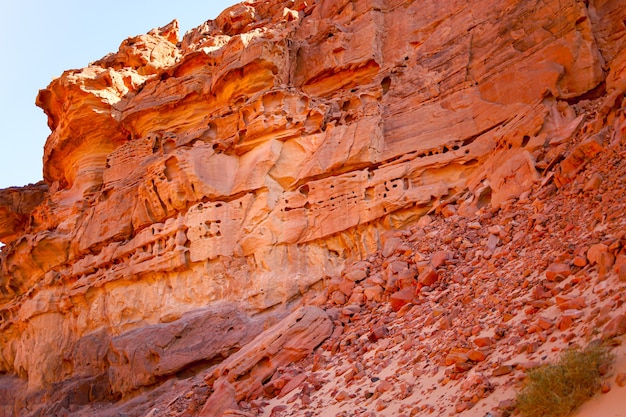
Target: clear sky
[(39, 39)]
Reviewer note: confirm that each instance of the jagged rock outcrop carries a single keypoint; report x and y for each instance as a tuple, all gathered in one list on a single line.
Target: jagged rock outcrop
[(251, 161), (143, 356), (242, 375), (16, 203)]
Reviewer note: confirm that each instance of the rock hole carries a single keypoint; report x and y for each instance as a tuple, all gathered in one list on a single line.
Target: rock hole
[(307, 205), (304, 189), (212, 130), (405, 183), (171, 169), (385, 84), (169, 145), (156, 143), (245, 114), (105, 195), (484, 198), (525, 140), (146, 204)]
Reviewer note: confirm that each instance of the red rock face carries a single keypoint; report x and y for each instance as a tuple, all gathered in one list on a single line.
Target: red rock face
[(16, 204), (251, 161)]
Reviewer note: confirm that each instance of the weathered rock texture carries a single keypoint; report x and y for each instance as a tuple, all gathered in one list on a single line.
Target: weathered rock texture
[(245, 371), (194, 184)]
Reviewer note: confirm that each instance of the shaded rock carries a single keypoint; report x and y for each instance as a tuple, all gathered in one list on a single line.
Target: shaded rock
[(503, 370), (456, 355), (428, 276), (556, 269), (615, 327), (483, 341), (293, 383), (402, 297), (143, 356), (288, 341), (476, 355), (438, 258), (566, 302), (620, 261), (545, 323), (378, 332), (221, 399), (621, 273), (374, 293), (580, 260), (593, 183), (579, 157), (390, 246), (356, 275), (595, 253), (492, 243)]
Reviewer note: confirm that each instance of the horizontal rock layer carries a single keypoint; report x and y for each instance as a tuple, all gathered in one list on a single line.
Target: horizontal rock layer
[(254, 158)]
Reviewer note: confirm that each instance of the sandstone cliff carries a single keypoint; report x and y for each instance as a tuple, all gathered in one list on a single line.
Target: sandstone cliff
[(198, 191)]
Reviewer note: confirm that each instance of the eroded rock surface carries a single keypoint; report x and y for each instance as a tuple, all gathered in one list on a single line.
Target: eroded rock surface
[(242, 375), (148, 354), (250, 161)]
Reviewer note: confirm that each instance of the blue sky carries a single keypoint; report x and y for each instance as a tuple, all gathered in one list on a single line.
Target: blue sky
[(39, 39)]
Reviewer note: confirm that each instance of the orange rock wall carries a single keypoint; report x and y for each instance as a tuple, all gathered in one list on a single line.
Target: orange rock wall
[(252, 159)]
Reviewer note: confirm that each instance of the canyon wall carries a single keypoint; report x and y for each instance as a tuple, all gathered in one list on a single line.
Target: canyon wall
[(217, 182)]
